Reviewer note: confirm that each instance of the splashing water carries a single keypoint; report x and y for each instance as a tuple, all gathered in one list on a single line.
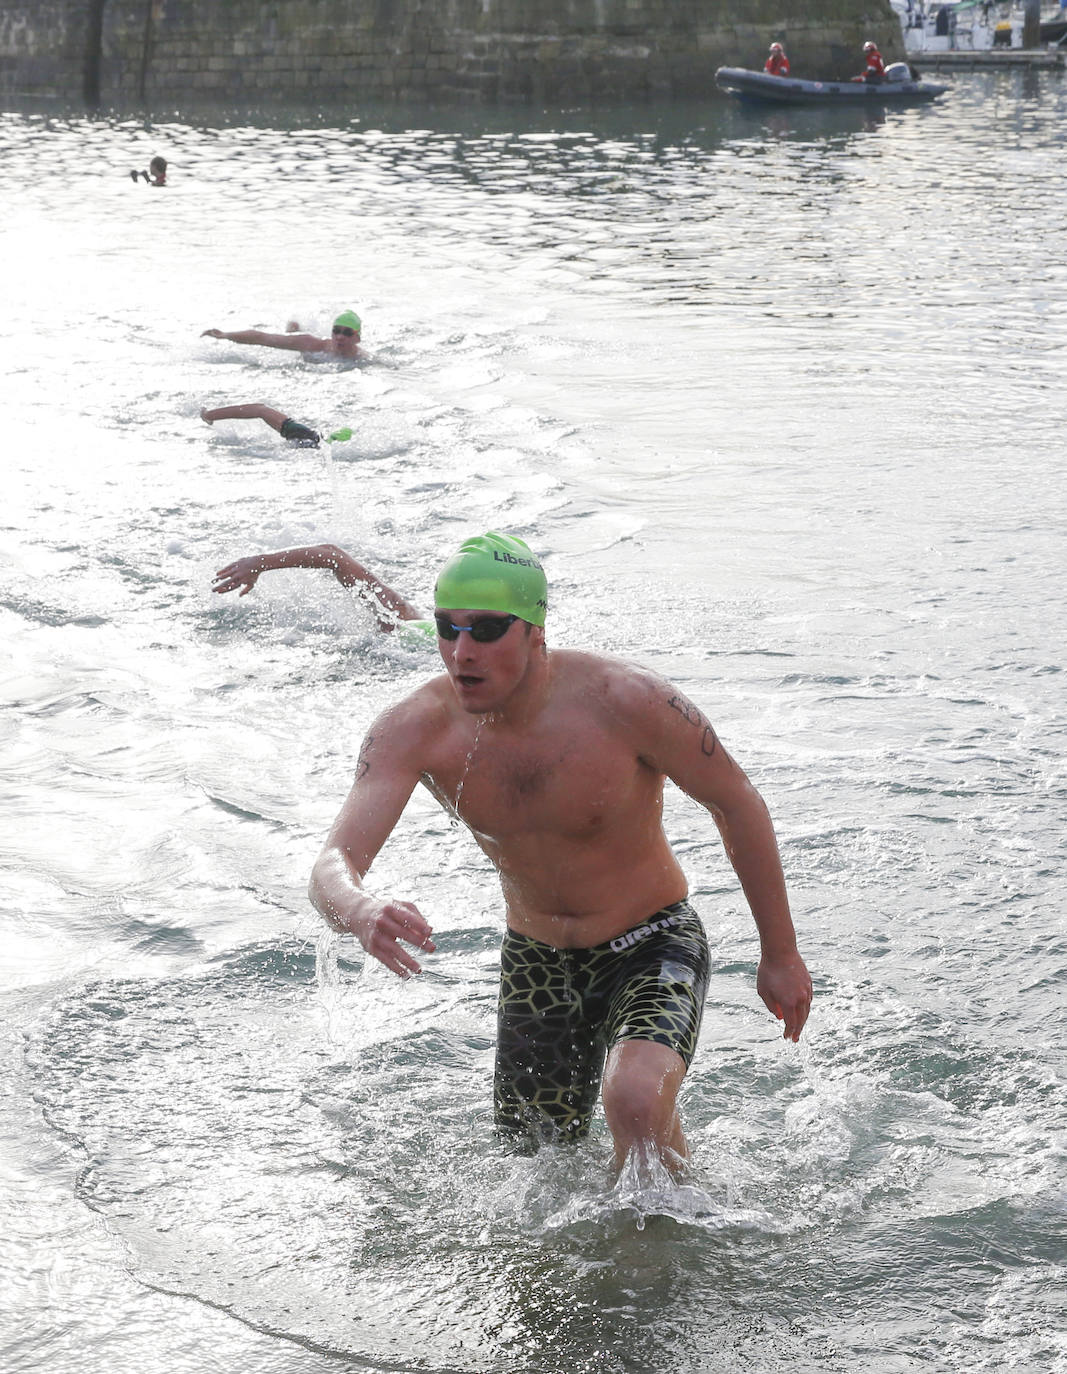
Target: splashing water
[(746, 473), (467, 765)]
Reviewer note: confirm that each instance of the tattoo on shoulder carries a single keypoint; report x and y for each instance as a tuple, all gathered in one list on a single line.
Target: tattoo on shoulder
[(363, 762), (689, 713)]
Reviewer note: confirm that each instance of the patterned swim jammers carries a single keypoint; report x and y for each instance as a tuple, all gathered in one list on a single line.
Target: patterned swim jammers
[(299, 435), (561, 1010)]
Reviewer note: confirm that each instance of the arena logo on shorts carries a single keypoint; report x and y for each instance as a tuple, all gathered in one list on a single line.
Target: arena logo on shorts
[(631, 937)]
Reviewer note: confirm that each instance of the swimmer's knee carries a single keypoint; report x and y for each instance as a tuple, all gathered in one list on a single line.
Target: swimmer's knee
[(641, 1086)]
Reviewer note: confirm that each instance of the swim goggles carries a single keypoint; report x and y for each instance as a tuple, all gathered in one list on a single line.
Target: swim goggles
[(343, 329), (483, 629)]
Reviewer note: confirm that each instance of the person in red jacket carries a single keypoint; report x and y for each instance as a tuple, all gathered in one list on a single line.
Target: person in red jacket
[(777, 63), (875, 69)]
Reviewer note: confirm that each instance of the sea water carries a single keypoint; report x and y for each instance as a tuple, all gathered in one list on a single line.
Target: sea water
[(779, 397)]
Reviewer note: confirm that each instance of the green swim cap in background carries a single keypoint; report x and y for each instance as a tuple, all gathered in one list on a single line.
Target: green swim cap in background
[(339, 436), (494, 572), (349, 320)]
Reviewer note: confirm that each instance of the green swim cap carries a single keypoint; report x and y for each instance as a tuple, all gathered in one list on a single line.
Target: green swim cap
[(494, 572), (339, 436), (348, 320)]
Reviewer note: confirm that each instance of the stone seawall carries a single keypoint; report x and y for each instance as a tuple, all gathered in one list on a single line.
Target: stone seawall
[(241, 52)]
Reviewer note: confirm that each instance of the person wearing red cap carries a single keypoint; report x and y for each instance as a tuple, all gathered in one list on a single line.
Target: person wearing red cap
[(777, 63)]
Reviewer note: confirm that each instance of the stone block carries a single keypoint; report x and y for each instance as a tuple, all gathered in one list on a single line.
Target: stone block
[(581, 49)]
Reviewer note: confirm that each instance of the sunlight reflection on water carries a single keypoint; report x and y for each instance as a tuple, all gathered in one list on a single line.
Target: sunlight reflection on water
[(776, 396)]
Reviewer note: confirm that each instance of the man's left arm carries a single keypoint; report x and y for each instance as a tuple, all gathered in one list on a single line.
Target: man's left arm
[(685, 747)]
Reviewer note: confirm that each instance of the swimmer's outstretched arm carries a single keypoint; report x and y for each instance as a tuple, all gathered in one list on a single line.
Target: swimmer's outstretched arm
[(244, 573), (297, 343), (252, 411)]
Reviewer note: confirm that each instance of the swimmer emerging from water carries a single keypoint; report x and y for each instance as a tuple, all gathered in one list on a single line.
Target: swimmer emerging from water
[(156, 174), (386, 603), (556, 761), (292, 431), (343, 341)]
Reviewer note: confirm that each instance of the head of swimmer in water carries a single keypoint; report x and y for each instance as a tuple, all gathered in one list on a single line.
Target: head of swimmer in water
[(158, 169), (346, 332), (490, 601)]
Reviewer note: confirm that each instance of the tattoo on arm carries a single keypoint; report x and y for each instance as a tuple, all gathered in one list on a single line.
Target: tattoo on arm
[(691, 716), (363, 762)]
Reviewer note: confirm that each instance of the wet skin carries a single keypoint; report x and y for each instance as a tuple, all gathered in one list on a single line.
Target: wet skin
[(486, 676), (556, 763)]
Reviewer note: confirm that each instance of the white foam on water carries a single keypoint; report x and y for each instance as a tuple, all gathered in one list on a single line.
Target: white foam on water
[(777, 400)]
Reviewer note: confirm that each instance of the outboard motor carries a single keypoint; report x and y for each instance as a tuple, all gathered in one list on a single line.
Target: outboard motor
[(898, 71)]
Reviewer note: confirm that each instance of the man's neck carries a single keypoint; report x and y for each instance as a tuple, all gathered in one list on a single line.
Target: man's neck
[(529, 698)]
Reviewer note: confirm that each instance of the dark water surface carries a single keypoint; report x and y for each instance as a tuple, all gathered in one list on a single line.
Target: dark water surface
[(780, 398)]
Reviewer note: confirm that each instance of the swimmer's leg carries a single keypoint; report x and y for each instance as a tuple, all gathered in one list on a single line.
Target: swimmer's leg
[(549, 1060), (641, 1085), (652, 1027)]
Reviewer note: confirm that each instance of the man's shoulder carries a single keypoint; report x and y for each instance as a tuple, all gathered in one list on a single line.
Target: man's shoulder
[(405, 739), (418, 724), (426, 707), (592, 662), (618, 683)]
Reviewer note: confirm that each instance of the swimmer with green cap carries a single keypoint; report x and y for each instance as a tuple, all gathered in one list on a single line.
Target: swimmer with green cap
[(343, 342), (491, 583), (495, 572), (557, 762), (292, 431), (498, 571)]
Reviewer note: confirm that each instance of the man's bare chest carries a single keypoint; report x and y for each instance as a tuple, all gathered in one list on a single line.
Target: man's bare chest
[(562, 785)]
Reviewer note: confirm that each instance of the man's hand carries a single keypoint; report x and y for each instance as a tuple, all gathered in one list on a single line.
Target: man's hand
[(213, 334), (785, 986), (243, 573), (380, 925)]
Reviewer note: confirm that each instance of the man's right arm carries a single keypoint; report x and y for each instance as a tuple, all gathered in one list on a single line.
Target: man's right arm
[(297, 343), (385, 778), (348, 571)]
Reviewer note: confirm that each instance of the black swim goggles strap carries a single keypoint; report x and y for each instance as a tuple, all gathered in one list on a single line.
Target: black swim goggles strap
[(483, 629)]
